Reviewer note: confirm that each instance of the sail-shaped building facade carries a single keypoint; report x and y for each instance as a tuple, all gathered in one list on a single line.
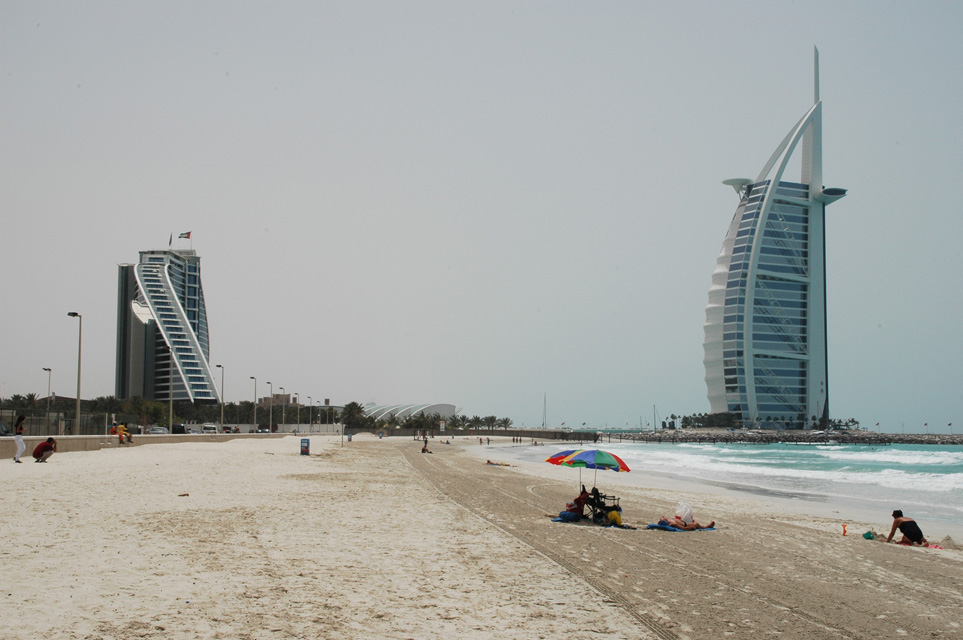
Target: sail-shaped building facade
[(163, 345), (765, 331)]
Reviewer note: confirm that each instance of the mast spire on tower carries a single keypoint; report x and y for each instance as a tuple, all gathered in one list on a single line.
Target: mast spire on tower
[(815, 75)]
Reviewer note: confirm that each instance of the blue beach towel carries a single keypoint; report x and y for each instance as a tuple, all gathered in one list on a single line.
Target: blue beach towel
[(666, 527)]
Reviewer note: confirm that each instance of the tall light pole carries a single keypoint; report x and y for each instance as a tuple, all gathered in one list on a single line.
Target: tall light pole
[(254, 417), (310, 413), (49, 373), (222, 395), (80, 337), (271, 410), (284, 405), (297, 400)]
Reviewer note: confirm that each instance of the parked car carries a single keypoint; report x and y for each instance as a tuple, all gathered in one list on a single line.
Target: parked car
[(5, 430), (263, 429), (157, 431), (207, 427), (180, 429)]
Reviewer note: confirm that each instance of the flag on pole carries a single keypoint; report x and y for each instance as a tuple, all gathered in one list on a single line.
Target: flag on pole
[(171, 241), (186, 234)]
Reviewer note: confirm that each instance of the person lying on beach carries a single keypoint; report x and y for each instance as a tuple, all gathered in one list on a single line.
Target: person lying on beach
[(497, 464), (679, 523), (908, 527)]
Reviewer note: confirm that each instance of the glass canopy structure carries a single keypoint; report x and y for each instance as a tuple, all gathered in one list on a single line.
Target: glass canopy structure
[(765, 331)]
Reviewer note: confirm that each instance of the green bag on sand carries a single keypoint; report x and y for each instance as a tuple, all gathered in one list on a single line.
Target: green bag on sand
[(869, 535)]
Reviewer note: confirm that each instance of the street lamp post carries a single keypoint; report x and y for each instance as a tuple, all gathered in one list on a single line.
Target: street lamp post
[(49, 373), (271, 410), (222, 394), (310, 414), (297, 401), (284, 405), (80, 335), (254, 417)]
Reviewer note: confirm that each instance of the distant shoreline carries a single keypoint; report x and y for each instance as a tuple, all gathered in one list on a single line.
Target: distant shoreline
[(786, 437)]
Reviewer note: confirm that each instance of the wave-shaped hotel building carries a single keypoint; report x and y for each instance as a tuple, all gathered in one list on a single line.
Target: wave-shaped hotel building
[(163, 346), (765, 331)]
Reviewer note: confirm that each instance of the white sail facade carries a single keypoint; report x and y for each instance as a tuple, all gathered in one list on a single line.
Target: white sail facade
[(163, 346), (765, 330)]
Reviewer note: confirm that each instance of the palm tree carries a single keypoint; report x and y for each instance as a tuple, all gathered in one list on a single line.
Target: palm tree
[(18, 402), (505, 423), (490, 422), (353, 415), (105, 404), (475, 422)]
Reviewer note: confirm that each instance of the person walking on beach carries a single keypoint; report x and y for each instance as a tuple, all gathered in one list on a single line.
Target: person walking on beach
[(44, 450), (18, 436), (912, 534)]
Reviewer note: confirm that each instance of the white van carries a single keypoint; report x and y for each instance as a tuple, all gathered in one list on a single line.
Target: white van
[(208, 427)]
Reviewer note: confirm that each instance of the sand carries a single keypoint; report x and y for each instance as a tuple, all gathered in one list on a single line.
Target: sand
[(249, 539)]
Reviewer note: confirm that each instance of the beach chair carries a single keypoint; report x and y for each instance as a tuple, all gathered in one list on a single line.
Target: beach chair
[(600, 505)]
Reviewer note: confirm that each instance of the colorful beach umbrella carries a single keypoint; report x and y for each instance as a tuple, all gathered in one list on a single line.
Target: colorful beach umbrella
[(592, 459), (589, 459)]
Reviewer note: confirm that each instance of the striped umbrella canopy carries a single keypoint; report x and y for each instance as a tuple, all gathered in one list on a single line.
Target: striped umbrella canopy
[(589, 459), (557, 458), (594, 459)]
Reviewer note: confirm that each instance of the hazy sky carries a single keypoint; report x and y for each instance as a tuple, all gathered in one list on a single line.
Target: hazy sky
[(476, 202)]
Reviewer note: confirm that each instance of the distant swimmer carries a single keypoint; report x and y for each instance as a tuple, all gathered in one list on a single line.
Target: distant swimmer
[(908, 527)]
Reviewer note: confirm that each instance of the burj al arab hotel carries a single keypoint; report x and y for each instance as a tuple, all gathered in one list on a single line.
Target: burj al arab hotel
[(765, 331)]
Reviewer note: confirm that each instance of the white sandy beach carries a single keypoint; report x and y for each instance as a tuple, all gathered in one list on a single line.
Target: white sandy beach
[(249, 539)]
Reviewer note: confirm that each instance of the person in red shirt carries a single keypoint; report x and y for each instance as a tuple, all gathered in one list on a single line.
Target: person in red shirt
[(44, 450)]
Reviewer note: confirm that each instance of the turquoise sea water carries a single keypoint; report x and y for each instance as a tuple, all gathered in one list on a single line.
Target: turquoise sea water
[(925, 481)]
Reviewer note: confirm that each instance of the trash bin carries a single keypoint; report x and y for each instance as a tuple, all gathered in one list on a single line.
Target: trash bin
[(349, 437), (305, 447)]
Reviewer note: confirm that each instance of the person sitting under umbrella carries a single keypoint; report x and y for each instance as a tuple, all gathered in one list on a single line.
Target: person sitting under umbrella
[(575, 510)]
